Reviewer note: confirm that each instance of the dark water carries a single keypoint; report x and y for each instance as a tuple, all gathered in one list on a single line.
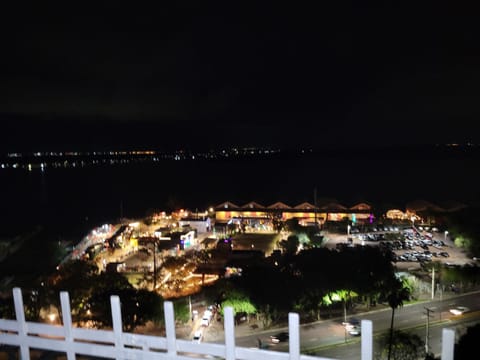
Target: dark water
[(77, 199)]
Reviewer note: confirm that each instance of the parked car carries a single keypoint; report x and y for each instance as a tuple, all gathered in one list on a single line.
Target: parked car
[(280, 337)]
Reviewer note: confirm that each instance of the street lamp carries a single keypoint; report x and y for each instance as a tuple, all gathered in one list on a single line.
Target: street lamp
[(433, 282), (427, 332), (190, 306), (446, 233), (154, 264), (52, 317)]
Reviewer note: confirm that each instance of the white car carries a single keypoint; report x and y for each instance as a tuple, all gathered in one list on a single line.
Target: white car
[(198, 336), (459, 310), (207, 316), (205, 321), (351, 324), (355, 330)]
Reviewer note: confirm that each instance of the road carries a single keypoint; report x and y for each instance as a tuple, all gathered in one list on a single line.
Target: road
[(327, 338), (413, 318)]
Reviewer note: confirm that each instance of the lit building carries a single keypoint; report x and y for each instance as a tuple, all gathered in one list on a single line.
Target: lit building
[(306, 213)]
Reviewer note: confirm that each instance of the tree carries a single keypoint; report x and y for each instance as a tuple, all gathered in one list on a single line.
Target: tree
[(239, 302), (201, 257), (362, 270), (468, 343), (316, 240), (290, 246), (173, 263), (240, 306), (292, 225), (265, 286), (78, 278), (462, 226), (181, 310), (7, 310), (174, 284), (402, 346), (39, 298), (275, 217), (340, 295), (107, 284), (139, 306), (397, 293), (310, 302)]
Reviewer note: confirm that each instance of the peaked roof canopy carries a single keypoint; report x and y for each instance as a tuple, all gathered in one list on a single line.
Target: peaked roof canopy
[(279, 205), (253, 205), (305, 206), (226, 205)]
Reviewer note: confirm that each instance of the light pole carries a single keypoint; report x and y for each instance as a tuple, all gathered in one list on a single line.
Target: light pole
[(190, 306), (154, 265), (427, 330), (445, 237), (345, 317), (348, 234), (433, 282)]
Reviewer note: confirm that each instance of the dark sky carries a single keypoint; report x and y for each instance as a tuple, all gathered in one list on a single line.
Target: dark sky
[(217, 73)]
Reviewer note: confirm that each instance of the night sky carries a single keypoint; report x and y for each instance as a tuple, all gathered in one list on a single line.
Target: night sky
[(209, 74)]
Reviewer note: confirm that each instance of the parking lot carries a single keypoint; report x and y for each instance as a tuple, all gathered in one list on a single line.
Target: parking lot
[(410, 250)]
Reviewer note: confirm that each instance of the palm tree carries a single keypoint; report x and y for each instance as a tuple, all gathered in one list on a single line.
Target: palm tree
[(398, 292)]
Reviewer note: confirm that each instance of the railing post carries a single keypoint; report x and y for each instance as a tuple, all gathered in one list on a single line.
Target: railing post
[(229, 333), (121, 351), (22, 325), (170, 327), (367, 340), (294, 336), (117, 325), (448, 344), (67, 323)]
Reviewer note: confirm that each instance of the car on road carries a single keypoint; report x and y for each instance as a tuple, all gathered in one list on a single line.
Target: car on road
[(355, 330), (459, 310), (205, 321), (351, 323), (353, 326), (280, 337), (198, 336), (206, 318)]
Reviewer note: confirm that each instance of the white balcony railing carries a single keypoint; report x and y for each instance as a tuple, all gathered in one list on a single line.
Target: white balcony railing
[(116, 344)]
